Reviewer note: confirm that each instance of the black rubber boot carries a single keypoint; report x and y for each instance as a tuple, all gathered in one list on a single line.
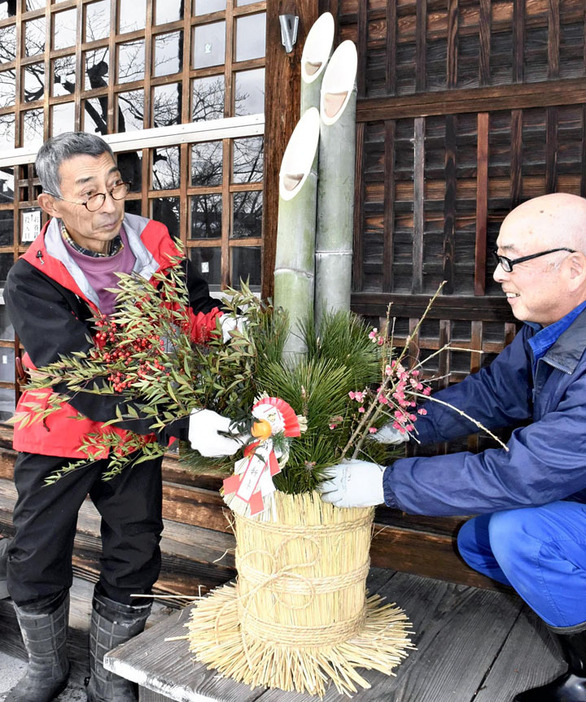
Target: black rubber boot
[(112, 623), (571, 686), (4, 545), (44, 633)]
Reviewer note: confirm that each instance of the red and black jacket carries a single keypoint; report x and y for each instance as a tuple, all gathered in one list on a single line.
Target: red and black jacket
[(51, 307)]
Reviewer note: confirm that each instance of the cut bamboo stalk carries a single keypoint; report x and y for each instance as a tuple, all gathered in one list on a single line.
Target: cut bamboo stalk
[(295, 254), (314, 59), (335, 209)]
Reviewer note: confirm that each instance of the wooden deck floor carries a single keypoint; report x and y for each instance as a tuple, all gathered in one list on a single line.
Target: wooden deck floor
[(472, 644)]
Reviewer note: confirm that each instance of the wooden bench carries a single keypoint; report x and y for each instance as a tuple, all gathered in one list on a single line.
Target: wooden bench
[(472, 644)]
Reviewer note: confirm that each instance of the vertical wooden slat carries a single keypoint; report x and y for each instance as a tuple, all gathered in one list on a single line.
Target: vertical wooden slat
[(482, 156), (452, 45), (516, 156), (484, 31), (358, 224), (583, 159), (389, 206), (476, 334), (420, 45), (518, 41), (449, 243), (282, 88), (418, 203), (551, 149), (445, 364), (391, 48), (362, 48), (553, 39)]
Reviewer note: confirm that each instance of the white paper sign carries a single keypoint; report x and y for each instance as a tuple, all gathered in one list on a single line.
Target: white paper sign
[(31, 226)]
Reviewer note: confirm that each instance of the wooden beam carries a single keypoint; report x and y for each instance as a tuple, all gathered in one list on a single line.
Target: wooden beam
[(490, 99), (282, 95)]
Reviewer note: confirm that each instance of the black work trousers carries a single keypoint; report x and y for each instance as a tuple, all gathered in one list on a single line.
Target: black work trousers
[(45, 518)]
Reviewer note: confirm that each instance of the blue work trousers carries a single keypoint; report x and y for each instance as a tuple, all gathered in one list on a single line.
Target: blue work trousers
[(539, 551)]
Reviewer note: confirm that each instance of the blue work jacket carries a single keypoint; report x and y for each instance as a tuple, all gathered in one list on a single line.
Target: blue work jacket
[(546, 458)]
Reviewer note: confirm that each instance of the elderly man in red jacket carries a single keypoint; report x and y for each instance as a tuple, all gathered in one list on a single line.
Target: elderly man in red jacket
[(52, 294)]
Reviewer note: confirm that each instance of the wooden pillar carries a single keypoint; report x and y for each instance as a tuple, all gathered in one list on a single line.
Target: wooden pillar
[(282, 94)]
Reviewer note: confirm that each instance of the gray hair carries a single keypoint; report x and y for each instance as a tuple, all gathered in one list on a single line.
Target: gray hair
[(62, 147)]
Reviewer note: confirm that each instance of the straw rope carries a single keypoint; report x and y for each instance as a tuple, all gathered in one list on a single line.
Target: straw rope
[(301, 636)]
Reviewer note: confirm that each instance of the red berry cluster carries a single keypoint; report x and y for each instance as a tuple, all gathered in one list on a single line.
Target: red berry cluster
[(119, 354)]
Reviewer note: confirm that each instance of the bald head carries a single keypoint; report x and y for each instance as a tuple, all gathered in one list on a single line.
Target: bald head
[(550, 221), (545, 242)]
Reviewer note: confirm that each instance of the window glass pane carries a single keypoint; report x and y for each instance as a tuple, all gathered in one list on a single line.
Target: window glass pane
[(130, 165), (33, 82), (247, 160), (247, 214), (250, 37), (97, 20), (208, 263), (246, 266), (206, 217), (166, 105), (7, 131), (7, 43), (168, 11), (132, 15), (131, 61), (130, 113), (64, 29), (34, 36), (32, 124), (7, 192), (206, 163), (202, 7), (63, 75), (6, 11), (97, 68), (240, 3), (249, 96), (166, 168), (208, 98), (209, 44), (168, 53), (133, 207), (62, 118), (7, 88), (6, 216), (35, 4), (166, 210), (94, 115)]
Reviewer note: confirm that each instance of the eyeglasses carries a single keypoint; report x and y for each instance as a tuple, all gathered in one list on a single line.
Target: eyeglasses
[(507, 263), (94, 202)]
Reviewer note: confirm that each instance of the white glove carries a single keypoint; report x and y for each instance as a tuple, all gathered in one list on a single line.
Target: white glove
[(230, 323), (387, 434), (354, 484), (204, 434)]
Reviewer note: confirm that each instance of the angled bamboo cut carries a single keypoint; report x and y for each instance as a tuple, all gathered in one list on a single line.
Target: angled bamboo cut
[(335, 208), (314, 59), (295, 255)]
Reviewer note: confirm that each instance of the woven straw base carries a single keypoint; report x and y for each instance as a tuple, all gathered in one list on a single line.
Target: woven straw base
[(217, 640)]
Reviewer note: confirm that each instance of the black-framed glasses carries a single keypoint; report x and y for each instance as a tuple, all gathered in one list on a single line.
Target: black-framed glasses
[(507, 263), (94, 202)]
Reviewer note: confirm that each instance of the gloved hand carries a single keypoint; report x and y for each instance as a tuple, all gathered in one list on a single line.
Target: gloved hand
[(230, 323), (354, 484), (204, 434), (387, 434)]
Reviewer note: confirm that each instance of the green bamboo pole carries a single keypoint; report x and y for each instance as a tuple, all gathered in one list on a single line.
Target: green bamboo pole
[(335, 209), (314, 59), (295, 254)]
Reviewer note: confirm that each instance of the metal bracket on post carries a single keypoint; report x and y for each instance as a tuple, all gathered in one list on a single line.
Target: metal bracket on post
[(289, 27)]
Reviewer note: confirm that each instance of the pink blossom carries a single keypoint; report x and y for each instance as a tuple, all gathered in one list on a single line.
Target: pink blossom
[(361, 410), (427, 391), (373, 430), (422, 411), (351, 394)]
